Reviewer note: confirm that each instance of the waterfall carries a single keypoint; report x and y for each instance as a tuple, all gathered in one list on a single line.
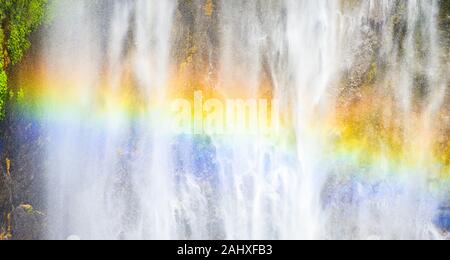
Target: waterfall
[(101, 183), (362, 88)]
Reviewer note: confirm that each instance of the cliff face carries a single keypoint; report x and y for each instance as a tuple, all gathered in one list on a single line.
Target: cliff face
[(22, 185)]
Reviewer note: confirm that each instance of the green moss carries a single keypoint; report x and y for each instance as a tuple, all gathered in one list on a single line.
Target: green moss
[(20, 95), (3, 92), (26, 15), (18, 18)]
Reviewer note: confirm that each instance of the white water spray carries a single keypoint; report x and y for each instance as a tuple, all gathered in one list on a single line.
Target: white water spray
[(122, 178)]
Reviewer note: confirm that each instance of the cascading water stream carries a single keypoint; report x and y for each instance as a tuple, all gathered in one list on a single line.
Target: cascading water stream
[(362, 89), (107, 182)]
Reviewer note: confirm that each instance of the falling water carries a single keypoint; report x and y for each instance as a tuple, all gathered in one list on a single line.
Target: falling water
[(115, 171)]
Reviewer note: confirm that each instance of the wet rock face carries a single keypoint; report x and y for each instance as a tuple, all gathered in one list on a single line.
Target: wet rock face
[(5, 203), (27, 224), (4, 194), (21, 180)]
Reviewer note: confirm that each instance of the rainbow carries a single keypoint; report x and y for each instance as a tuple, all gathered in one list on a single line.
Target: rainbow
[(368, 132)]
